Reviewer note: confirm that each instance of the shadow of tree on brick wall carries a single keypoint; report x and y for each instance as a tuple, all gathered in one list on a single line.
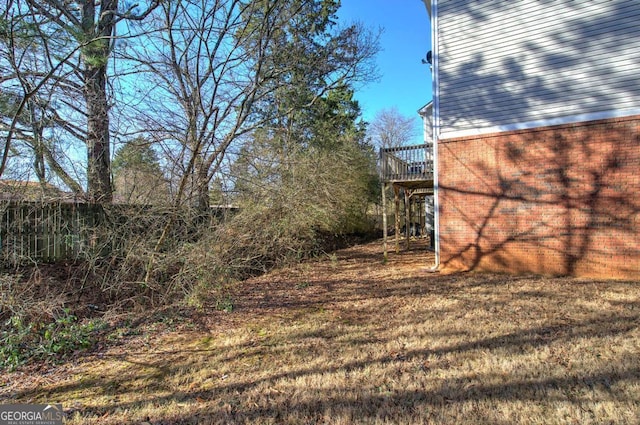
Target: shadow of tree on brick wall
[(565, 194), (563, 200)]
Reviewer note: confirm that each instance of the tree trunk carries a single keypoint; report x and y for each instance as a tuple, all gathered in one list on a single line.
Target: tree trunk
[(203, 193), (98, 158), (94, 58), (201, 186)]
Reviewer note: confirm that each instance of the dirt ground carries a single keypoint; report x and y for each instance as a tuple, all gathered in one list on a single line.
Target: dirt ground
[(350, 338)]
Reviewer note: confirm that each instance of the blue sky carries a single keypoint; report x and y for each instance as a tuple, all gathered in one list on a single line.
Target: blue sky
[(405, 82)]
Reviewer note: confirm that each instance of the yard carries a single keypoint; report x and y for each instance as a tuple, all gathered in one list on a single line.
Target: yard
[(348, 339)]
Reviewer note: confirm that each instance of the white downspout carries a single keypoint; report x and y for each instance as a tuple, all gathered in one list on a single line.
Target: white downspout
[(432, 8)]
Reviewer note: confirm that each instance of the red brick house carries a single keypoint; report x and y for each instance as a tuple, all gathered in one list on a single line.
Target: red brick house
[(536, 119)]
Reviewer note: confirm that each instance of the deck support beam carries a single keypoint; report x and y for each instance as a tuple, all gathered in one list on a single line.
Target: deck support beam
[(407, 218), (384, 219), (396, 199)]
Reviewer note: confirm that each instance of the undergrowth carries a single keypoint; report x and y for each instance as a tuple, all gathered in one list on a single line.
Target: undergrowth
[(50, 311), (22, 341)]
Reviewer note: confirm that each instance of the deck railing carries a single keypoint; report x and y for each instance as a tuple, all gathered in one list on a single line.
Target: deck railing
[(406, 163)]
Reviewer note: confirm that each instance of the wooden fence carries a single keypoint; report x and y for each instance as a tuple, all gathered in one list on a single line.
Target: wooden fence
[(50, 231), (53, 231)]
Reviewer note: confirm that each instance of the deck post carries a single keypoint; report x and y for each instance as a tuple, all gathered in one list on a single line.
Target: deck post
[(407, 217), (396, 198), (384, 219)]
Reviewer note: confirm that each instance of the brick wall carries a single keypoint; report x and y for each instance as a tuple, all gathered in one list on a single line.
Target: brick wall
[(560, 200)]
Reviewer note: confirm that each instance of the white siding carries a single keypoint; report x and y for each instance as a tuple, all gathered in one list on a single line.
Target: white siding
[(505, 64), (426, 114)]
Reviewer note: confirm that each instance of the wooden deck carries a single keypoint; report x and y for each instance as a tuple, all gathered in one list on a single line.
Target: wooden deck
[(407, 166), (408, 170)]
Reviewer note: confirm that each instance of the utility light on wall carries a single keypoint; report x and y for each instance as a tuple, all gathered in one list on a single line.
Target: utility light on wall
[(428, 58)]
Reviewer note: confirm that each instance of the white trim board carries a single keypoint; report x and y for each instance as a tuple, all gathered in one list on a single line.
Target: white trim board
[(570, 119)]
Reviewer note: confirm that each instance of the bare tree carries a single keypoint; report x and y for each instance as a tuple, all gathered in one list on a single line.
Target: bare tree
[(391, 129), (214, 67), (32, 80), (74, 40)]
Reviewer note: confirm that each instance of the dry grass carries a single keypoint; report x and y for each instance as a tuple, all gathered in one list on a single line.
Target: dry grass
[(351, 340)]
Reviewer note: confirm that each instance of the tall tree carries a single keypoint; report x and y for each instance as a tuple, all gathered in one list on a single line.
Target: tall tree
[(390, 129), (219, 65), (28, 116), (318, 180), (76, 40), (137, 175)]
